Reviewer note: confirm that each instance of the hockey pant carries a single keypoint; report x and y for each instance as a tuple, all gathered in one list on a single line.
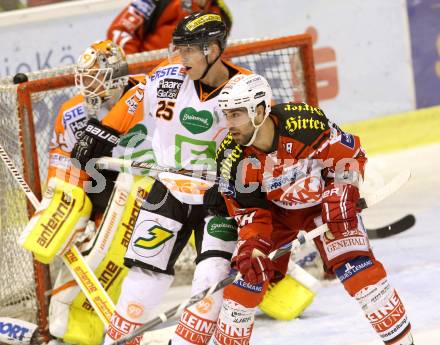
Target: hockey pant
[(347, 254), (161, 231), (71, 317)]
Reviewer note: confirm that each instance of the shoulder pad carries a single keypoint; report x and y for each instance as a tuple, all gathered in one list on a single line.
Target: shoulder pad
[(301, 121)]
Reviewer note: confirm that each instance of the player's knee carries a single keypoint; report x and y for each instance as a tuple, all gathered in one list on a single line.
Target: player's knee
[(360, 272), (141, 292), (135, 302), (210, 271)]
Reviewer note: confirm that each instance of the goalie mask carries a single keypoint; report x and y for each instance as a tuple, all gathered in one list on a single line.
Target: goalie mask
[(101, 74), (247, 91)]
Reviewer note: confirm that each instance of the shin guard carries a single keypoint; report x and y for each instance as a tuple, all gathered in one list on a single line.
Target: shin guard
[(365, 279), (141, 293), (234, 325), (198, 322)]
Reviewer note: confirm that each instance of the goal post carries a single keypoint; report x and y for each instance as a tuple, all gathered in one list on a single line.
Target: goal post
[(27, 113)]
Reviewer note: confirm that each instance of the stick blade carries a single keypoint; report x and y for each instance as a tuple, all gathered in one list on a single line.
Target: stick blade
[(394, 228)]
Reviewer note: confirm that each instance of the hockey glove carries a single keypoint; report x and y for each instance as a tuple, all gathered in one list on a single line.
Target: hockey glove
[(97, 141), (339, 208), (253, 262), (214, 203)]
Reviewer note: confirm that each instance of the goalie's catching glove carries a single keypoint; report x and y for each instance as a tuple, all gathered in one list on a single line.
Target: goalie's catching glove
[(97, 141), (253, 262), (339, 207)]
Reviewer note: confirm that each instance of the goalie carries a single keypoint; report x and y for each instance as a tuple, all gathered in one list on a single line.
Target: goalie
[(101, 76)]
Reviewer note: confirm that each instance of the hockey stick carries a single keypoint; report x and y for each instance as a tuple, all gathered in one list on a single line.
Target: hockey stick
[(365, 202), (126, 165), (73, 259), (394, 228)]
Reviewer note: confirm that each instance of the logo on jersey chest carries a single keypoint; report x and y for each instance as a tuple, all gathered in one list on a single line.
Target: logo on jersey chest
[(73, 113), (169, 88), (77, 127), (135, 136), (168, 71), (196, 121), (304, 190)]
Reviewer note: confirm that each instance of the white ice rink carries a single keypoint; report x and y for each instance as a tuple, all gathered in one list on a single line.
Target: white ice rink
[(412, 260)]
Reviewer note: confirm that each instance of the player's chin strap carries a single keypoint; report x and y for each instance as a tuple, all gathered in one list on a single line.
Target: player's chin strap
[(209, 65), (365, 202), (256, 129)]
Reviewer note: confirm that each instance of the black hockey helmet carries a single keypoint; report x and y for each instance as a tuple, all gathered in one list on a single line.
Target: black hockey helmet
[(201, 28)]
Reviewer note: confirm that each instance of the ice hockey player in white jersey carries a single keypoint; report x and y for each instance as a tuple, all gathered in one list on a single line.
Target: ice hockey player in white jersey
[(176, 106)]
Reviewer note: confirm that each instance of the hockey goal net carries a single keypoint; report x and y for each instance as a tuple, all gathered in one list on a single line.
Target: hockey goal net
[(27, 113)]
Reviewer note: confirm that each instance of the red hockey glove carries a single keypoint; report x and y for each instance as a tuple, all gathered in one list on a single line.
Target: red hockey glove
[(253, 262), (339, 207)]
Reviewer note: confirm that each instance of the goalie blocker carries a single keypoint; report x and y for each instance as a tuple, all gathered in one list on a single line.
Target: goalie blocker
[(60, 218)]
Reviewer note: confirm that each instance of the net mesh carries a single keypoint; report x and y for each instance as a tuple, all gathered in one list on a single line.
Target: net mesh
[(17, 284), (282, 62)]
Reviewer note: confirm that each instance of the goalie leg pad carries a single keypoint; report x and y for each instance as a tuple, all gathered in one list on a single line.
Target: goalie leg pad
[(71, 317), (365, 279), (286, 299), (197, 322), (142, 291), (61, 217)]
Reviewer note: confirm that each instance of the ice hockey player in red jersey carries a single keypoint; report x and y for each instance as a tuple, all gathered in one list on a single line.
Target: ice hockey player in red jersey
[(146, 25), (284, 169)]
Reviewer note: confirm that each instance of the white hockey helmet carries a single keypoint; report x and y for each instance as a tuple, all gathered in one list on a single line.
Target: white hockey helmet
[(247, 91), (101, 72)]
